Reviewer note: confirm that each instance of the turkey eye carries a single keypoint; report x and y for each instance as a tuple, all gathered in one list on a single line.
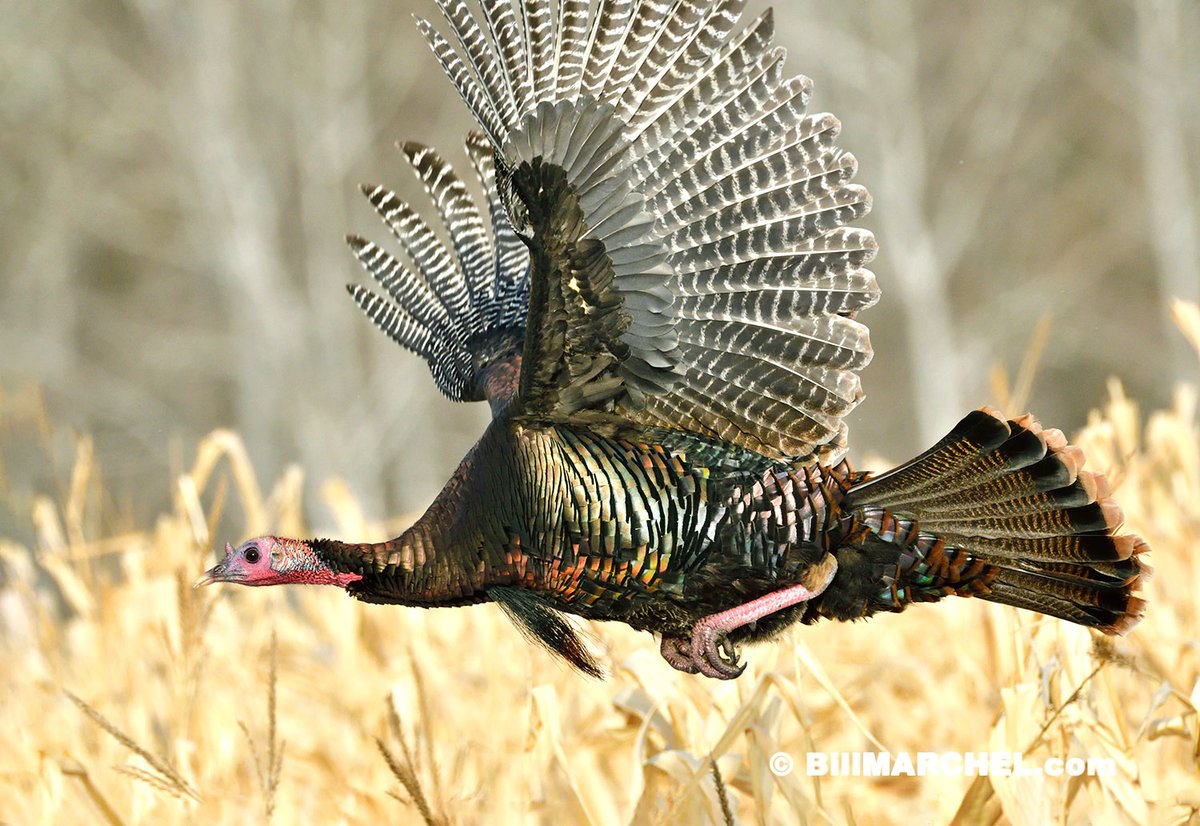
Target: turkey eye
[(252, 555)]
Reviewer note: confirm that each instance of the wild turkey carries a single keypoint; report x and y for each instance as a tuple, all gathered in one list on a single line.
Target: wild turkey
[(662, 318)]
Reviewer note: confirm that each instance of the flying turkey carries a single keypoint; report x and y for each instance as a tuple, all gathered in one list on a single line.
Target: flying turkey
[(659, 303)]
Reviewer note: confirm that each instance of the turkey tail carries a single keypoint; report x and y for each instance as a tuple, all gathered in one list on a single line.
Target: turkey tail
[(461, 309), (1003, 510)]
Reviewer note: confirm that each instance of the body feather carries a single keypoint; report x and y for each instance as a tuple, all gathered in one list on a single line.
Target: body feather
[(661, 306)]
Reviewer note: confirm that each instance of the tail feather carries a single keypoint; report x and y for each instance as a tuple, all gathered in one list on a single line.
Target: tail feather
[(1104, 517), (1115, 620), (1038, 531), (978, 433)]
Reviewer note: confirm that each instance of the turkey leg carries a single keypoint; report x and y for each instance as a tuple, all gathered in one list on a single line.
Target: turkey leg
[(710, 652)]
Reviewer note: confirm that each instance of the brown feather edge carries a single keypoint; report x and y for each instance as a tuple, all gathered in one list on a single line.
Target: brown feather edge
[(1129, 546)]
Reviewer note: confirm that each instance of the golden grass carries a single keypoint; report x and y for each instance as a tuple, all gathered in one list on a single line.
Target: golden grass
[(130, 698)]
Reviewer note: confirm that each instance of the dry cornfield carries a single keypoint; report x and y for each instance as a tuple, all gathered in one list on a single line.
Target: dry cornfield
[(131, 698)]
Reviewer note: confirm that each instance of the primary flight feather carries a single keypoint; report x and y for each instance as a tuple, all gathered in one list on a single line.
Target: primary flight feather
[(659, 302)]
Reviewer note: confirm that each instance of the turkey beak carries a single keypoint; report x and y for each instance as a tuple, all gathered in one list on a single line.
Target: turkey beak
[(217, 572), (210, 576)]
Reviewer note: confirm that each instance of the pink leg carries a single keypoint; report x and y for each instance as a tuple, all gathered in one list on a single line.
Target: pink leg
[(713, 655)]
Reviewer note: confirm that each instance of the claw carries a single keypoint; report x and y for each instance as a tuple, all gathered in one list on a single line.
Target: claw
[(714, 653), (728, 651)]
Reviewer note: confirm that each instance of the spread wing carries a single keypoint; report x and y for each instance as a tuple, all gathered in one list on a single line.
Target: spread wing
[(461, 309), (691, 263)]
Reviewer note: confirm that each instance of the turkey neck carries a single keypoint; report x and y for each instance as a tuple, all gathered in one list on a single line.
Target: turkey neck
[(456, 550)]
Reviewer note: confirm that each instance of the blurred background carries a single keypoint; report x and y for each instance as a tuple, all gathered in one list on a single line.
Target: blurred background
[(176, 180)]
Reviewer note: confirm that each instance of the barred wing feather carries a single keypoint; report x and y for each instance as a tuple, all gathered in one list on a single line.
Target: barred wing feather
[(461, 308), (692, 260)]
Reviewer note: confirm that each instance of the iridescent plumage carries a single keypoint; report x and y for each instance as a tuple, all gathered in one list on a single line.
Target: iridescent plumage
[(659, 301)]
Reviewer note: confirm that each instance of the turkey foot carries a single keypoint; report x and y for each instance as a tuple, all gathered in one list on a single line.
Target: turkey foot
[(677, 651), (712, 654)]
